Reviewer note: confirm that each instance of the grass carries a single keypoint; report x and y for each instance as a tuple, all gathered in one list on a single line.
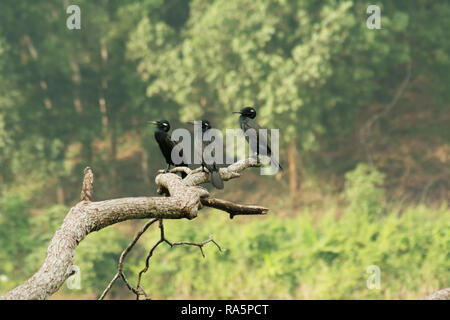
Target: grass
[(299, 257)]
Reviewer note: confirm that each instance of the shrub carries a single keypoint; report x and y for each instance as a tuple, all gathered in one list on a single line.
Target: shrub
[(364, 191)]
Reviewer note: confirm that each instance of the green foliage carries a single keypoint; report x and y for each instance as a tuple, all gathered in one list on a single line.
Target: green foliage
[(14, 226), (277, 258), (97, 257), (364, 190), (15, 238), (310, 68), (23, 238), (43, 228), (267, 258)]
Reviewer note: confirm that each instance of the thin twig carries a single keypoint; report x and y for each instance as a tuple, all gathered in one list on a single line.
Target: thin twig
[(149, 255), (197, 244), (171, 244), (122, 259)]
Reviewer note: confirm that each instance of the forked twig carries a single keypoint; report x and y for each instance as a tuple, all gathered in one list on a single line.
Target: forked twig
[(139, 290)]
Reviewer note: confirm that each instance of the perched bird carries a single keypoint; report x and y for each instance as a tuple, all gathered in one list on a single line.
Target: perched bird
[(216, 179), (166, 144), (246, 121)]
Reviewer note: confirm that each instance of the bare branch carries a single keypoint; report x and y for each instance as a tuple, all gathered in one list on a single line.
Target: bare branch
[(122, 259), (233, 208), (181, 169), (443, 294), (147, 259), (87, 190), (228, 173), (184, 199), (197, 244), (139, 290)]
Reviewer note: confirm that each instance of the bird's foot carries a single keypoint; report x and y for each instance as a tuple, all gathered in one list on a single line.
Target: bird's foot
[(167, 169), (162, 171)]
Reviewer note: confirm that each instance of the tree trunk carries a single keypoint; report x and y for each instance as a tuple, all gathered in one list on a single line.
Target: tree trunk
[(60, 199), (293, 171)]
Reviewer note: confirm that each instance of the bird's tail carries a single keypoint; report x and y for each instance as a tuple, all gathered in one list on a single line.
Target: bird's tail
[(277, 164), (216, 180), (281, 168)]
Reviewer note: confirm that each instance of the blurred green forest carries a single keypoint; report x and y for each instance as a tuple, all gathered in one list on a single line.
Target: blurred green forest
[(364, 136)]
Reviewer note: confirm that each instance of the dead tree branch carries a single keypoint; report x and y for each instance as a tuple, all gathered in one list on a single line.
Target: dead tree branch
[(233, 208), (184, 199), (122, 260), (139, 290)]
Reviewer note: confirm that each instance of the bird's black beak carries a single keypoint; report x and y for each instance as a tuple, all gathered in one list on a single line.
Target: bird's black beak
[(154, 122), (237, 112)]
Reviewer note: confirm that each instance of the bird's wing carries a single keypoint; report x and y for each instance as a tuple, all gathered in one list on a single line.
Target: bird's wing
[(87, 189), (211, 167), (172, 144), (263, 136), (248, 123)]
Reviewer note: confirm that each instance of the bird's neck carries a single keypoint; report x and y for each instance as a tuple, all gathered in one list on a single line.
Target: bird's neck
[(159, 133)]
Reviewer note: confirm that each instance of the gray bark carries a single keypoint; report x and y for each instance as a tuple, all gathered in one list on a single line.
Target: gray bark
[(184, 198)]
